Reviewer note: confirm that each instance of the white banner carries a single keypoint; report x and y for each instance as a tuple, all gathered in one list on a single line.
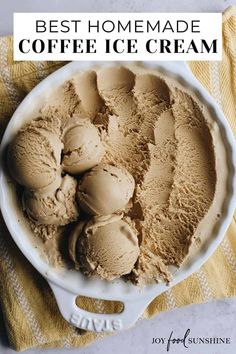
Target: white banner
[(117, 36)]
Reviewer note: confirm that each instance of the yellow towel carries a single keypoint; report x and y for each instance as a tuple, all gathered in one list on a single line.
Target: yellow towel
[(31, 315)]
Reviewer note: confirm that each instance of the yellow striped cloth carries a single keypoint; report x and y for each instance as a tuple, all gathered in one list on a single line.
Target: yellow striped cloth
[(31, 315)]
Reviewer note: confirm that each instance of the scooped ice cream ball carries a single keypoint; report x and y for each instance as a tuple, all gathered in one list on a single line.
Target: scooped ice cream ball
[(83, 148), (105, 189), (33, 158), (59, 207), (106, 246)]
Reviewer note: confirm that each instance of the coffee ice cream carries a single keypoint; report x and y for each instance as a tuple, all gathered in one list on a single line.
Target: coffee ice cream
[(139, 143), (58, 207), (161, 137), (106, 246), (34, 157), (105, 189), (83, 148)]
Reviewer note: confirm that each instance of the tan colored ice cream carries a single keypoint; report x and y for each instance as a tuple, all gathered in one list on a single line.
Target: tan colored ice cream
[(83, 148), (106, 246), (159, 140), (163, 139), (59, 207), (78, 96), (105, 189), (34, 157)]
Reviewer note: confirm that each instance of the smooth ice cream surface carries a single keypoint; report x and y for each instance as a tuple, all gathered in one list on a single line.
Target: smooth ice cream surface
[(105, 189), (154, 128), (59, 207), (83, 148), (106, 246)]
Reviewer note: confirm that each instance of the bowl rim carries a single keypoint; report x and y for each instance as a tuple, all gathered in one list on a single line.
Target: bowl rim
[(119, 290)]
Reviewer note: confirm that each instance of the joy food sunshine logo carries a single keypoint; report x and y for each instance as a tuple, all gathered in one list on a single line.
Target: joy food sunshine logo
[(186, 340)]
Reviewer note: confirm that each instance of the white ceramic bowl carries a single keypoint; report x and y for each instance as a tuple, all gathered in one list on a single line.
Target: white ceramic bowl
[(67, 284)]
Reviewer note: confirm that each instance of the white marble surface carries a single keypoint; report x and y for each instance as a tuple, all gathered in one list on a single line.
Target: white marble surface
[(214, 319)]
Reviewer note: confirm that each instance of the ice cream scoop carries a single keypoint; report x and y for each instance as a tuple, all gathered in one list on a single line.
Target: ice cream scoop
[(58, 207), (34, 158), (105, 189), (106, 246), (83, 148)]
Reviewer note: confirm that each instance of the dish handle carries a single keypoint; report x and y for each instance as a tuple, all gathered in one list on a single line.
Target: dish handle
[(96, 322)]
